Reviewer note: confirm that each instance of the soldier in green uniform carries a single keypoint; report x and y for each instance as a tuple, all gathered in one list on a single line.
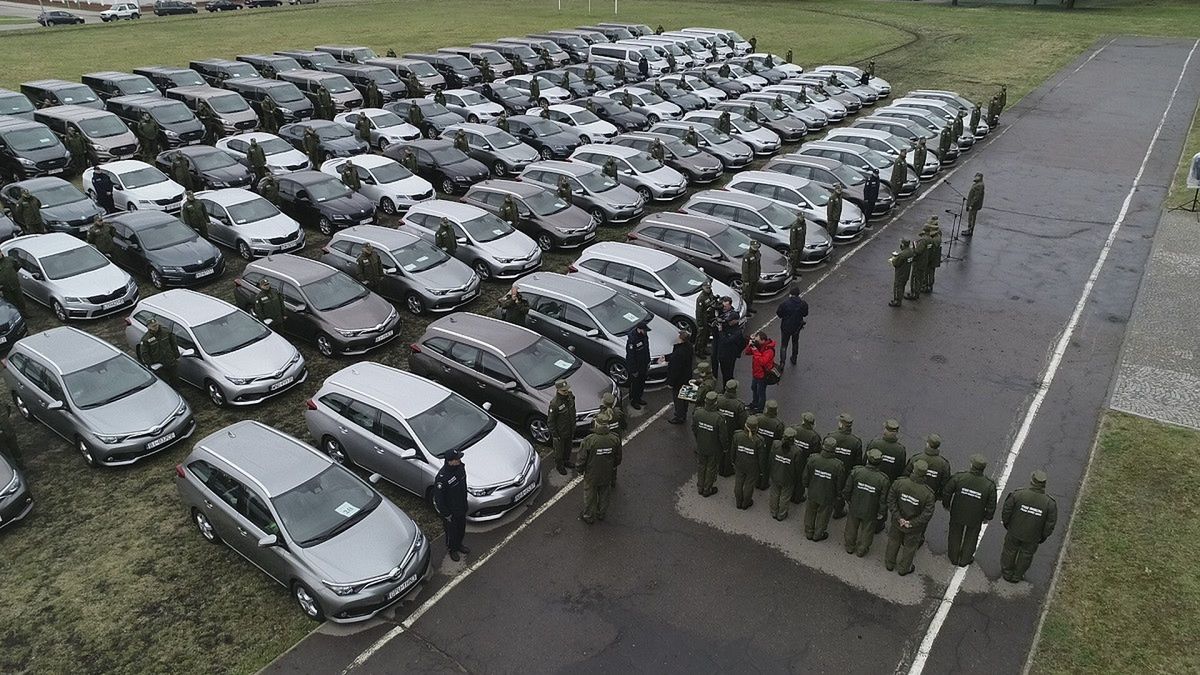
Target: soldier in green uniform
[(460, 141), (706, 426), (783, 473), (797, 235), (212, 124), (312, 148), (973, 124), (747, 445), (147, 133), (77, 146), (193, 214), (513, 307), (535, 91), (703, 377), (324, 104), (937, 467), (848, 449), (713, 50), (610, 168), (788, 56), (257, 159), (370, 267), (777, 104), (994, 112), (268, 305), (753, 43), (919, 155), (770, 428), (560, 420), (29, 213), (547, 60), (608, 406), (734, 414), (833, 211), (1003, 98), (1029, 516), (10, 283), (808, 443), (691, 137), (509, 212), (391, 53), (268, 187), (958, 125), (159, 351), (409, 160), (502, 120), (444, 238), (920, 263), (268, 117), (970, 497), (724, 125), (751, 272), (349, 176), (180, 173), (373, 97), (101, 235), (362, 127), (823, 479), (619, 72), (934, 260), (944, 143), (599, 455), (902, 262), (974, 203), (564, 188), (658, 150), (899, 172), (415, 90), (911, 502), (866, 496), (589, 76), (893, 454)]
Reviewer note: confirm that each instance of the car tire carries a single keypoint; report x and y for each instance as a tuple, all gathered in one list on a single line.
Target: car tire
[(215, 393), (382, 144), (653, 119), (244, 251), (543, 101), (473, 118), (617, 370), (684, 323), (88, 458), (205, 527), (481, 268), (645, 194), (545, 241), (585, 139), (23, 408), (330, 446), (325, 346), (430, 133), (324, 226), (414, 304), (387, 206), (59, 311), (447, 186), (156, 279), (598, 216), (498, 169), (546, 153), (735, 283), (136, 16), (130, 207), (538, 429), (308, 602)]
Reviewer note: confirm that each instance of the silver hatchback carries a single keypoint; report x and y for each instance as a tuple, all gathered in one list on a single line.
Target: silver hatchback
[(399, 425), (343, 551)]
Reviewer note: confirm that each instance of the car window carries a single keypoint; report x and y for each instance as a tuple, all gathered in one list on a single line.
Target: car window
[(361, 414), (598, 266), (578, 318), (618, 271), (548, 307), (220, 483), (644, 280), (325, 505), (438, 345), (463, 354), (494, 368), (343, 246), (258, 514), (392, 431), (675, 238), (337, 402)]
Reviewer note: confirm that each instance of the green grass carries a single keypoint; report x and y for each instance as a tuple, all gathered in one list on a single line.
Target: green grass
[(15, 19), (1128, 598), (1180, 192), (107, 570)]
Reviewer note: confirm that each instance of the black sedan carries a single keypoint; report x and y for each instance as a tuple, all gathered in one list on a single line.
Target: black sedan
[(209, 167), (513, 100), (604, 79), (57, 17), (222, 5), (434, 117), (442, 164), (316, 198), (335, 139), (551, 139), (158, 245), (731, 87), (612, 111), (680, 97), (64, 207)]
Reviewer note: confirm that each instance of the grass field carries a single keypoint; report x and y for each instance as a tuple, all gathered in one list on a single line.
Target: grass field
[(107, 570), (1128, 598)]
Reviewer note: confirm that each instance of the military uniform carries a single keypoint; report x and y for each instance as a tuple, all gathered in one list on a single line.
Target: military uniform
[(833, 211), (751, 272), (899, 173), (808, 443), (349, 176), (616, 424), (460, 142), (100, 235), (784, 457), (848, 450), (938, 469), (944, 143), (974, 203), (796, 238), (29, 213), (268, 187), (823, 480), (324, 104), (911, 502), (734, 414), (970, 497), (508, 211), (919, 156), (706, 427), (257, 159), (560, 418), (159, 351), (76, 144), (268, 305), (180, 173), (770, 428), (865, 493), (747, 446), (312, 148), (599, 455), (445, 239), (974, 122), (269, 116), (210, 122), (706, 312), (934, 259), (564, 189), (362, 127), (10, 283), (902, 263), (1029, 515), (194, 215), (147, 133), (919, 265), (373, 98), (894, 459), (513, 308), (370, 267)]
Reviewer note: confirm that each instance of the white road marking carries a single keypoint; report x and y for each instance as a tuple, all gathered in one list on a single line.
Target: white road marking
[(470, 569), (1047, 379)]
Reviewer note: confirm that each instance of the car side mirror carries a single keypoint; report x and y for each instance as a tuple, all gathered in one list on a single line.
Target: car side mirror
[(374, 478), (462, 241), (54, 405), (187, 352), (660, 293), (593, 332), (764, 228), (297, 308), (577, 191), (408, 453), (487, 405), (391, 270), (509, 386), (37, 276), (268, 541)]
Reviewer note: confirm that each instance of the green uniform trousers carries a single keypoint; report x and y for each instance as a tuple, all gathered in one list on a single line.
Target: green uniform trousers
[(562, 450), (860, 533), (743, 486), (1016, 557), (749, 290), (595, 500), (780, 498), (902, 547), (963, 538), (706, 472), (816, 520), (971, 220)]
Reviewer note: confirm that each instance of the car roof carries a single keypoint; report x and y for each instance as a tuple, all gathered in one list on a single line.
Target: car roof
[(371, 161), (308, 177), (272, 459), (320, 47), (428, 144), (52, 83), (772, 177), (294, 268), (567, 287), (630, 254), (39, 245), (111, 75), (482, 129), (449, 209), (860, 131), (228, 196), (39, 183), (67, 349), (568, 108), (511, 187), (834, 145), (405, 393), (386, 237), (144, 100), (808, 160), (315, 124), (183, 303), (124, 165), (610, 149), (559, 166), (137, 220), (706, 225), (254, 136), (732, 197), (501, 336), (217, 62), (197, 150)]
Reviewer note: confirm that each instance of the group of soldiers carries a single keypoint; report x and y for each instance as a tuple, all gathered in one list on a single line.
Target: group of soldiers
[(916, 264)]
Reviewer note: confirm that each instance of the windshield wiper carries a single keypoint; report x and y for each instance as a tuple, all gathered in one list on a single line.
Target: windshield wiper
[(337, 529)]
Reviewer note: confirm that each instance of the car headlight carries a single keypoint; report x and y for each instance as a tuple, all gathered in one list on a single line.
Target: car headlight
[(109, 439), (342, 589), (505, 261), (461, 179), (481, 492), (15, 484), (172, 270), (240, 380), (439, 291), (348, 333), (170, 134), (564, 230), (26, 162), (254, 240), (70, 299)]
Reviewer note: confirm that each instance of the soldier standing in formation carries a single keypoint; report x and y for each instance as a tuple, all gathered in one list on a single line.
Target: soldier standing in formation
[(509, 212), (616, 425), (445, 238), (77, 146), (159, 351), (370, 267), (180, 172), (902, 263), (147, 132), (658, 150), (974, 203), (747, 445), (211, 123), (920, 264), (936, 466), (707, 423), (734, 414), (970, 497), (934, 260), (460, 141), (848, 450), (691, 137), (362, 127), (959, 121), (409, 160), (751, 272), (808, 443), (268, 305), (784, 456), (1003, 98), (257, 159), (28, 213), (268, 187), (535, 91), (866, 495), (973, 124), (414, 86), (823, 479), (870, 194), (919, 156), (833, 211), (324, 104), (911, 503), (269, 116), (193, 214), (1029, 515), (724, 124), (10, 283), (770, 429), (899, 172), (944, 143), (101, 235), (893, 454), (560, 420), (373, 97), (610, 168), (312, 147), (637, 363), (349, 176), (513, 307), (599, 455), (797, 235)]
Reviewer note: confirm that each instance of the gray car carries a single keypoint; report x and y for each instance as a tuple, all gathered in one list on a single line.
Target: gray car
[(489, 245), (321, 304), (652, 179), (551, 220), (111, 408), (765, 220), (15, 499), (604, 198), (864, 159), (343, 551), (831, 173), (697, 165), (69, 276), (512, 368), (495, 147), (64, 207), (233, 356), (733, 153), (593, 321), (398, 426), (415, 272)]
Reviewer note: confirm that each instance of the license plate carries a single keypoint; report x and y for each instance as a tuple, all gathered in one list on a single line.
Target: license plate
[(385, 336), (160, 441), (51, 172), (524, 493), (204, 273), (282, 383), (404, 586), (112, 305)]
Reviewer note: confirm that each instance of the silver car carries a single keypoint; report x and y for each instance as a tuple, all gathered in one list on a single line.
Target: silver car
[(489, 245), (399, 425), (762, 219), (659, 281), (69, 276), (761, 140), (499, 150), (808, 197), (226, 352), (653, 180), (249, 224), (343, 551), (110, 407), (605, 199)]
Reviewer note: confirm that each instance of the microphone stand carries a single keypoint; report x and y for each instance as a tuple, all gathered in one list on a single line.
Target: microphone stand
[(956, 225)]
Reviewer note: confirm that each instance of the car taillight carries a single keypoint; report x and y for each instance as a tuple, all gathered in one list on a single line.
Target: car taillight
[(310, 405), (128, 322), (631, 236), (179, 470), (415, 348), (571, 268)]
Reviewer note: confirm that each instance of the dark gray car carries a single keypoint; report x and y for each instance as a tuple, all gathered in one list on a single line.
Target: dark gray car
[(15, 499), (335, 140), (64, 207), (549, 219), (604, 198), (698, 166), (830, 173)]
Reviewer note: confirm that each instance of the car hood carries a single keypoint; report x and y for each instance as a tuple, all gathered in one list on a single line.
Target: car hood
[(404, 130), (513, 245), (348, 144), (561, 138), (588, 384), (667, 108), (599, 127), (700, 161), (167, 189), (664, 176), (367, 312), (773, 261), (229, 175), (351, 204), (571, 218), (488, 108), (84, 209), (445, 119), (104, 280), (468, 167), (287, 158), (519, 153), (43, 154), (143, 410), (850, 211), (188, 253), (374, 546), (498, 458), (452, 273), (620, 196), (275, 226), (265, 357), (413, 185)]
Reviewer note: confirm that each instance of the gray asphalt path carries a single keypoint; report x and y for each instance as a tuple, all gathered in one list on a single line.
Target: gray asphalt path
[(672, 582)]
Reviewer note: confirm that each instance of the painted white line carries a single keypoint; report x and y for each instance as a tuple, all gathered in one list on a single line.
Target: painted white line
[(1047, 379), (470, 569)]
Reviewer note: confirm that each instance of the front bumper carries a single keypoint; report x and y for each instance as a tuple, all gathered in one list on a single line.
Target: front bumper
[(190, 277), (375, 599), (16, 506), (88, 310), (361, 344), (261, 390), (265, 248), (514, 270), (504, 500), (128, 452)]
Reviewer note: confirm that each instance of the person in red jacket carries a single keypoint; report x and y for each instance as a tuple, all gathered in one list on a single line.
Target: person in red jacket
[(762, 354)]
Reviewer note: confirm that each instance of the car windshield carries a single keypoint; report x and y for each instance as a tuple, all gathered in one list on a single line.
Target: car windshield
[(165, 233), (77, 95), (573, 41), (472, 98), (584, 117), (451, 424), (543, 363), (524, 53), (618, 314), (507, 92), (457, 63), (14, 104), (363, 53), (286, 92), (682, 278), (33, 138), (135, 85), (544, 203), (382, 76), (419, 256), (608, 105), (80, 260), (386, 120), (779, 217), (186, 78), (334, 291), (171, 114), (847, 175), (447, 155), (252, 211), (324, 506), (487, 228), (431, 109), (815, 194), (769, 112), (216, 159), (650, 98), (336, 84), (326, 190), (681, 149), (228, 103), (57, 195), (282, 64), (815, 96), (715, 137), (229, 333), (110, 380), (139, 178), (494, 57), (390, 172), (731, 242), (876, 159), (332, 132), (542, 128), (274, 146), (643, 163), (501, 140), (421, 69), (596, 181), (745, 125), (102, 126)]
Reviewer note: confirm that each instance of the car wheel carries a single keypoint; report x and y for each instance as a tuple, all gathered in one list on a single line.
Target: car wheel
[(598, 216), (414, 304), (137, 16), (331, 447), (88, 457), (546, 153), (205, 526), (23, 408), (684, 323), (543, 101), (388, 206), (646, 195), (538, 429), (585, 139), (244, 251), (383, 144), (498, 169), (325, 345), (473, 119), (307, 601), (156, 279), (447, 186), (215, 393), (545, 241), (325, 226), (481, 268), (130, 207), (653, 119), (430, 133), (60, 311), (735, 283), (617, 371)]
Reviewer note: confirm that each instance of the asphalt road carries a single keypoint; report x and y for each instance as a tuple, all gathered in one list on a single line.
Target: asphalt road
[(672, 582)]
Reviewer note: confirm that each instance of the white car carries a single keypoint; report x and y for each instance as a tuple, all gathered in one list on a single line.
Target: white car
[(697, 86), (137, 185), (761, 140), (877, 83), (281, 156), (121, 10), (385, 181), (472, 105), (69, 276), (591, 128), (249, 224), (834, 110), (386, 126), (653, 106), (777, 62), (547, 90)]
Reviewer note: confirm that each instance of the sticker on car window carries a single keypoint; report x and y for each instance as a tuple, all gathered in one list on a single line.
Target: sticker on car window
[(347, 509), (562, 364), (409, 267), (744, 247), (694, 282), (630, 316), (497, 232)]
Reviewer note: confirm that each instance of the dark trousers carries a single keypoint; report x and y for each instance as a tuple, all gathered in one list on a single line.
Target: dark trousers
[(725, 366), (681, 406), (1016, 557), (963, 538), (792, 339), (456, 527), (758, 394), (637, 386)]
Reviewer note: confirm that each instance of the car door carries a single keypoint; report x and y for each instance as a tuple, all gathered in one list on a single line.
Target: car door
[(356, 426), (705, 255), (31, 277), (583, 334), (496, 384), (676, 243), (655, 294), (220, 494), (220, 226), (127, 249), (547, 316), (55, 411), (458, 370), (299, 318), (254, 520), (289, 193), (190, 368)]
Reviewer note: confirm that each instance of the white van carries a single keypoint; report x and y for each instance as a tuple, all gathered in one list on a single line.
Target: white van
[(628, 54)]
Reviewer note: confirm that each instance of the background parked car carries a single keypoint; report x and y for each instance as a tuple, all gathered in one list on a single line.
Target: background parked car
[(58, 17)]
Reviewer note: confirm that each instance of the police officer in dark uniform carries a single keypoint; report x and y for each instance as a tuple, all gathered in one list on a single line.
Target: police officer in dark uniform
[(637, 362), (450, 501)]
